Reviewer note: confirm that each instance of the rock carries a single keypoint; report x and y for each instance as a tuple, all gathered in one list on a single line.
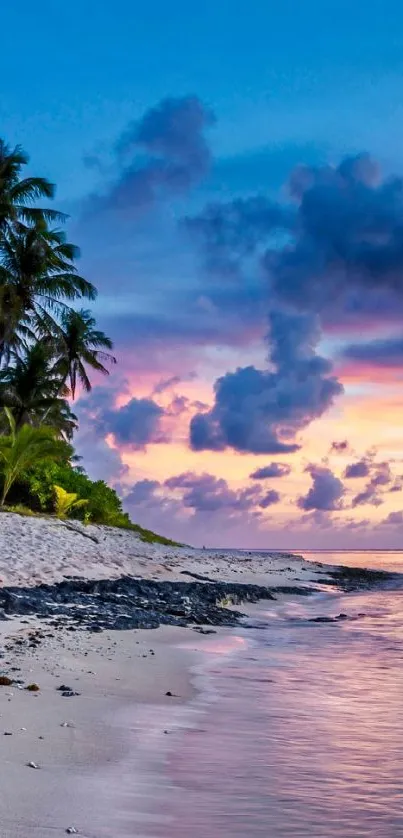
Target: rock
[(7, 733), (5, 681), (69, 693), (321, 620), (169, 693), (32, 765), (67, 724), (64, 688), (71, 830), (32, 688)]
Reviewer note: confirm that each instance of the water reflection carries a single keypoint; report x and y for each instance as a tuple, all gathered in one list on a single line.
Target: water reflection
[(307, 737), (380, 560)]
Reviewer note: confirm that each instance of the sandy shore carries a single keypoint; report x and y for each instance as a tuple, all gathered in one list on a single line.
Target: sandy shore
[(100, 753), (35, 550), (94, 750)]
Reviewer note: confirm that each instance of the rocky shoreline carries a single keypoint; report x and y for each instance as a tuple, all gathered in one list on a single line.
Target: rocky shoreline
[(133, 603)]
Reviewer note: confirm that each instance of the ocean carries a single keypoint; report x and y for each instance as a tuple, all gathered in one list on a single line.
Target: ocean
[(298, 729)]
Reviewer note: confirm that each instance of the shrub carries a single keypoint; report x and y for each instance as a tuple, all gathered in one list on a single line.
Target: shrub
[(35, 490), (66, 502)]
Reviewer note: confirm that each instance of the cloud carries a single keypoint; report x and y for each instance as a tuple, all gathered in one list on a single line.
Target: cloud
[(100, 460), (335, 248), (206, 493), (272, 470), (359, 469), (347, 236), (367, 496), (326, 492), (135, 424), (142, 492), (261, 411), (393, 519), (178, 406), (381, 480), (270, 498), (230, 233), (166, 384), (341, 447), (164, 153), (377, 353)]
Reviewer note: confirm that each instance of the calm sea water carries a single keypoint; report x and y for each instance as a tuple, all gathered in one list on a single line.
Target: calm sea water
[(305, 735)]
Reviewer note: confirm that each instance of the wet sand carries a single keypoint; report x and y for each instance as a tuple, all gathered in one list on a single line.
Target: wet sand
[(92, 748)]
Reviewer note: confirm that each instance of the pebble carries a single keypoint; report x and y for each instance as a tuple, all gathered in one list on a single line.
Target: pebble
[(71, 830), (32, 765)]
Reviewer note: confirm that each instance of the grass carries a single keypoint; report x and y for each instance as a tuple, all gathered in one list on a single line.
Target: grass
[(152, 537), (19, 509)]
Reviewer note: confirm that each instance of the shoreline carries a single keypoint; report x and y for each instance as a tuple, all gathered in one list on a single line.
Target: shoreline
[(101, 752), (104, 774)]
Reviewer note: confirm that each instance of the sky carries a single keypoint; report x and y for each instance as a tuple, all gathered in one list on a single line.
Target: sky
[(233, 176)]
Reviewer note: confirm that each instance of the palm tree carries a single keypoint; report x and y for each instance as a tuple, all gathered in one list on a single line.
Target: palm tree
[(37, 277), (18, 195), (26, 447), (80, 344), (31, 387)]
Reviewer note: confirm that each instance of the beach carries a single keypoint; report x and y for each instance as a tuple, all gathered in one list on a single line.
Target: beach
[(129, 684), (87, 751)]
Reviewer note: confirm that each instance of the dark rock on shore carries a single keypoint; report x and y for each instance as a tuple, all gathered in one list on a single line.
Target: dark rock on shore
[(129, 603), (357, 578)]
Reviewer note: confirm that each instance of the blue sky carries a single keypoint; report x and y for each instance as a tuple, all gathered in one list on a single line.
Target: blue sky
[(292, 83), (317, 73)]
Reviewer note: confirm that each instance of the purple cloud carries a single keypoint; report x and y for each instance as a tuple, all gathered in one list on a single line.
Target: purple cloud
[(142, 492), (233, 232), (164, 153), (270, 498), (135, 424), (393, 519), (206, 493), (341, 447), (261, 412), (378, 353), (359, 469), (381, 479), (272, 470), (326, 492)]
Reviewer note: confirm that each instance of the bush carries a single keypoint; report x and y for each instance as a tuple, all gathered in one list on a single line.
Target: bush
[(35, 491), (66, 503)]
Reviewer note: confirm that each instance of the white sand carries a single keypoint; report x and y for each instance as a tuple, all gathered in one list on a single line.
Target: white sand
[(100, 774), (34, 550), (91, 770)]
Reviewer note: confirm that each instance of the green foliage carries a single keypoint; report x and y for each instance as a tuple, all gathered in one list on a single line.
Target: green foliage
[(22, 449), (19, 509), (66, 502), (35, 489), (47, 347)]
